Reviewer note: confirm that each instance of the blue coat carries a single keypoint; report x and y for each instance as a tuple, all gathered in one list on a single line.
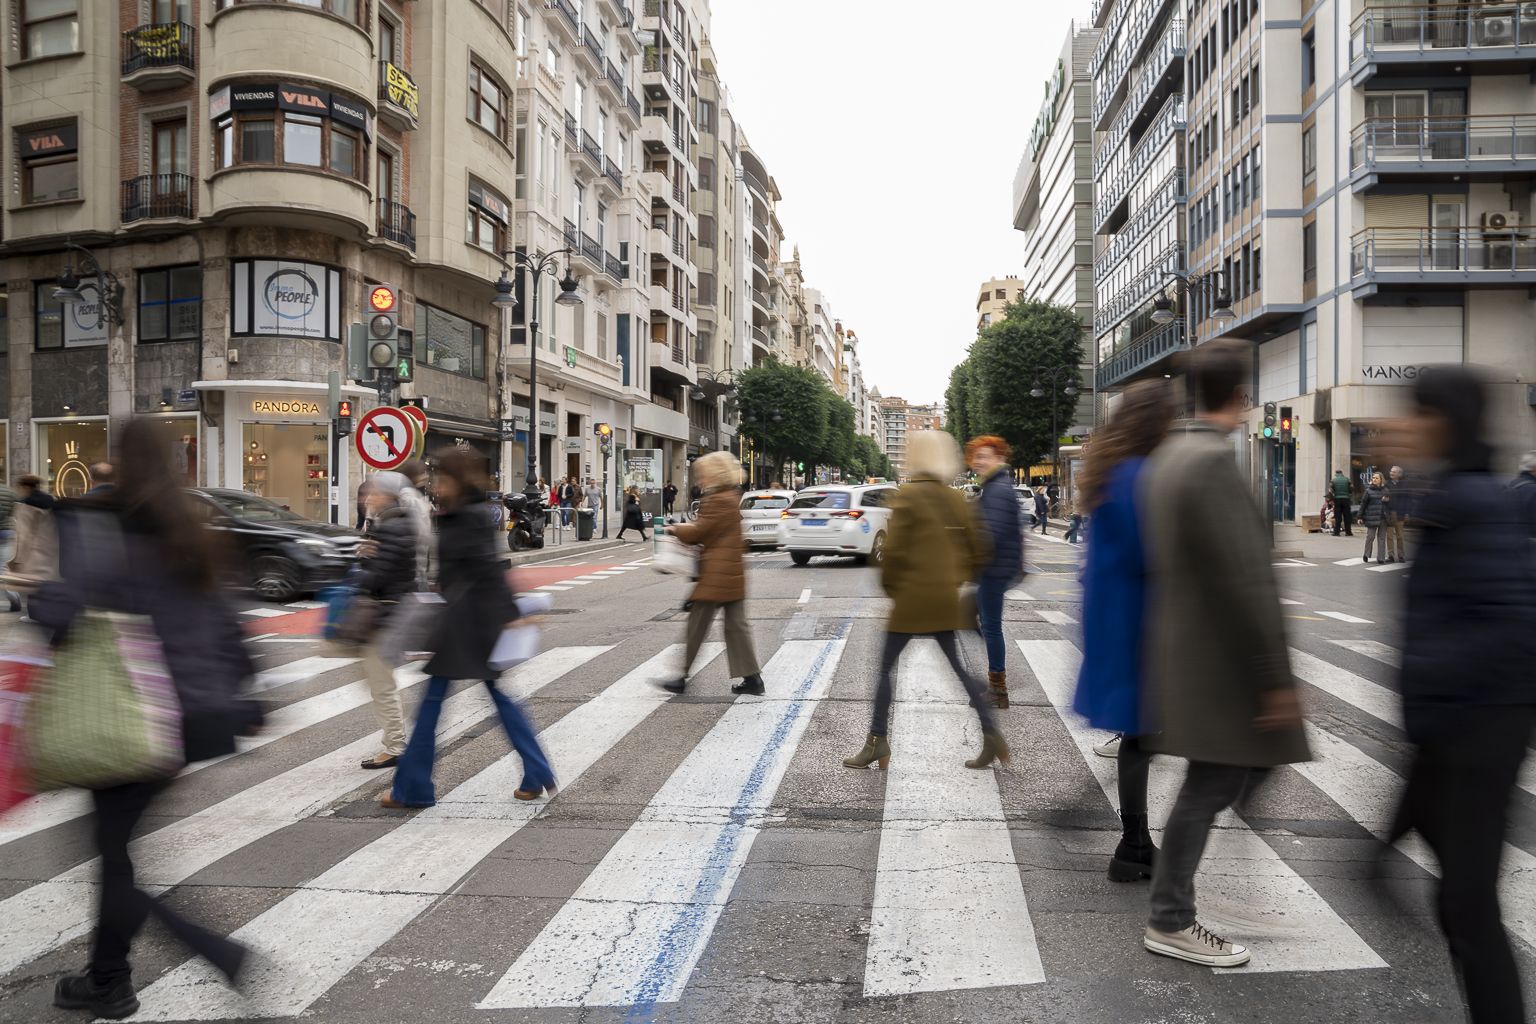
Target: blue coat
[(1005, 527), (1114, 604)]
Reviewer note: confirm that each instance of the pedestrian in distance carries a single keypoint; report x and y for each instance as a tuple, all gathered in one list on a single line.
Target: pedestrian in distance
[(386, 573), (36, 555), (668, 498), (1109, 683), (362, 501), (634, 518), (8, 501), (1342, 499), (1469, 700), (478, 606), (140, 549), (568, 495), (1523, 490), (1373, 516), (1218, 689), (1042, 510), (722, 576), (999, 513), (934, 548)]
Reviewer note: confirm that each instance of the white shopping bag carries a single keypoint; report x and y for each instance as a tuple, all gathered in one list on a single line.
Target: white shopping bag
[(673, 556), (520, 642)]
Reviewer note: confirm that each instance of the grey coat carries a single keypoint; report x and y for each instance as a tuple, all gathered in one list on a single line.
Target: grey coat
[(1215, 642)]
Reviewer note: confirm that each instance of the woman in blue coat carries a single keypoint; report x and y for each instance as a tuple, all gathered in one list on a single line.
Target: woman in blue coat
[(1114, 598)]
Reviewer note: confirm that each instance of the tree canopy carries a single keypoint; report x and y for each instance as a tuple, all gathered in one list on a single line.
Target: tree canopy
[(816, 425)]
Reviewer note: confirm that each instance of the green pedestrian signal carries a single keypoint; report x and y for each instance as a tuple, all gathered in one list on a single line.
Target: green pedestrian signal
[(405, 365)]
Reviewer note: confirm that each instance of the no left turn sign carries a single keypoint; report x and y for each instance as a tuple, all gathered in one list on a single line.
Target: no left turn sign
[(386, 437)]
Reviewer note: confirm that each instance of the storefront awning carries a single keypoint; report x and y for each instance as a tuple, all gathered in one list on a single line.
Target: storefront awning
[(278, 385)]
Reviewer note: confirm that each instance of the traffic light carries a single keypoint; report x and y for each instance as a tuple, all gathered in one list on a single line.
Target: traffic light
[(383, 328), (344, 417), (604, 432), (1286, 422), (405, 363), (1271, 420)]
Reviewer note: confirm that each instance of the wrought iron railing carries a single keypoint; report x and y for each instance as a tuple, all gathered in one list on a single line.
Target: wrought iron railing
[(568, 11), (397, 223), (1158, 343), (614, 266), (615, 175), (572, 236), (163, 45), (572, 130), (591, 250), (157, 195)]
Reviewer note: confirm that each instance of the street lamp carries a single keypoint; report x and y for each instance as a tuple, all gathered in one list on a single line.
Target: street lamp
[(1215, 281), (1065, 378), (109, 291), (538, 265)]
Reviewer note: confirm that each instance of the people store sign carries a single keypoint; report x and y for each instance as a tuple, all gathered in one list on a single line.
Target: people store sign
[(287, 298)]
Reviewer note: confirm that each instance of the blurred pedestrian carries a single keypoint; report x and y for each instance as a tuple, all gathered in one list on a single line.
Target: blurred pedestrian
[(1523, 489), (1218, 686), (386, 573), (594, 497), (36, 556), (161, 564), (1373, 516), (1109, 683), (8, 502), (634, 518), (722, 576), (668, 497), (413, 498), (1469, 700), (999, 511), (1042, 510), (362, 500), (479, 606), (102, 478), (1342, 497), (934, 549)]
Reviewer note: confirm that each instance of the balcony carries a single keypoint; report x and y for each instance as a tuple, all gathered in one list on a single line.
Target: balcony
[(397, 224), (613, 80), (321, 43), (1151, 82), (1115, 187), (1425, 40), (158, 197), (612, 173), (592, 50), (1150, 280), (632, 104), (592, 151), (1169, 194), (569, 21), (399, 98), (1145, 355), (592, 252), (670, 359), (1480, 148), (159, 56), (615, 267), (1445, 258)]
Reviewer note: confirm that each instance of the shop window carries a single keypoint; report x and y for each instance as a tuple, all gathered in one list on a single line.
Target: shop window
[(50, 163), (170, 303), (5, 332), (49, 27), (290, 125), (448, 342), (179, 437), (289, 465), (66, 451)]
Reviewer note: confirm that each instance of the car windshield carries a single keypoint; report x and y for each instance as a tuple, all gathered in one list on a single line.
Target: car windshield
[(254, 509), (822, 499), (764, 501)]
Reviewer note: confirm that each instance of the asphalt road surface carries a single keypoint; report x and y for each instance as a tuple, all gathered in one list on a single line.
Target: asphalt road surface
[(709, 859)]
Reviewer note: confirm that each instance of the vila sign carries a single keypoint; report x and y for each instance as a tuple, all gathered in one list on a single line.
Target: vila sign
[(400, 90), (51, 141)]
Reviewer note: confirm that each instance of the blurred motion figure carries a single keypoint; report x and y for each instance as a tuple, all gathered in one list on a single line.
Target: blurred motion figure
[(999, 511)]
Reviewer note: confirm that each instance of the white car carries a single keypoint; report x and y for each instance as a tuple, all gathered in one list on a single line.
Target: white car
[(760, 516), (837, 520)]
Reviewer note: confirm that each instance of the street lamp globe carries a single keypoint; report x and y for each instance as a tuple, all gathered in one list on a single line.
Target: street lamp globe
[(1223, 311), (1036, 392), (1070, 390), (68, 291), (506, 295), (568, 296), (1162, 310)]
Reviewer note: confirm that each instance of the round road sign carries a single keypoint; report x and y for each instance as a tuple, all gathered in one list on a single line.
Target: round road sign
[(386, 437), (418, 414)]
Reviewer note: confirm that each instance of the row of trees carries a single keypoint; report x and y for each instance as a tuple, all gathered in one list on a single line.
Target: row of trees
[(816, 426), (989, 392)]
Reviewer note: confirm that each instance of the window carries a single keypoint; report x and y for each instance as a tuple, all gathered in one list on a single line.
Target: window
[(348, 9), (48, 323), (389, 40), (302, 137), (292, 125), (520, 158), (487, 219), (168, 11), (386, 176), (49, 27), (552, 60), (485, 101), (1308, 61), (258, 141), (286, 298), (170, 303), (1308, 155), (1309, 251), (5, 322), (520, 40), (448, 342), (346, 151), (169, 154), (50, 163)]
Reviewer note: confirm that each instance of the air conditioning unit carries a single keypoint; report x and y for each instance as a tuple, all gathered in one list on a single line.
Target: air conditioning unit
[(1501, 222), (1496, 27), (1527, 33)]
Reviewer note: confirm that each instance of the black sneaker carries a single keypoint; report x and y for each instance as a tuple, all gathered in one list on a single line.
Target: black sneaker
[(78, 992), (675, 685), (751, 686)]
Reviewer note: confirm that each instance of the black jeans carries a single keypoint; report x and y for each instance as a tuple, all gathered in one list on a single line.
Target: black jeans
[(123, 906), (1132, 766), (1208, 790), (1458, 799), (1343, 517), (895, 643)]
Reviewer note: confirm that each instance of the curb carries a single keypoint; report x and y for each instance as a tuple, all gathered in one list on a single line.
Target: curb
[(571, 550)]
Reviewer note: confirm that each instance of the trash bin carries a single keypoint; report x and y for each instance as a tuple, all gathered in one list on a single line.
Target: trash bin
[(586, 523)]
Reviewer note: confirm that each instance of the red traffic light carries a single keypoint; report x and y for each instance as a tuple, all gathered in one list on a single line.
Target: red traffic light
[(382, 299), (344, 409), (1285, 424)]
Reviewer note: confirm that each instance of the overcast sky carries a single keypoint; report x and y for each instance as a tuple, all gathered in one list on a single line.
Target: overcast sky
[(893, 129)]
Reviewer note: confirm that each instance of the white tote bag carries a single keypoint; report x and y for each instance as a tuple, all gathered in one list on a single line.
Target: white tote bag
[(520, 641), (673, 556)]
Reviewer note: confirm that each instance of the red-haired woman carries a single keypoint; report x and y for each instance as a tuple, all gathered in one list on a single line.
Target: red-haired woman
[(999, 509)]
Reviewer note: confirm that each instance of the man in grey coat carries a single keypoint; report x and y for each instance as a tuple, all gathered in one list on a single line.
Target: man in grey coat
[(1218, 686)]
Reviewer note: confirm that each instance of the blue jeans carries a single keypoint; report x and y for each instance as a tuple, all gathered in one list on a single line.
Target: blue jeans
[(413, 775), (989, 611), (565, 514)]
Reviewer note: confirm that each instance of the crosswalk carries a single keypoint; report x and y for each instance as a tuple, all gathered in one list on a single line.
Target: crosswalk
[(951, 902)]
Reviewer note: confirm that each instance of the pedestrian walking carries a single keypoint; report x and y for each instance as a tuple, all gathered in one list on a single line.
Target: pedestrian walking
[(1373, 516), (594, 497), (1042, 510), (478, 607), (1523, 490), (8, 502), (1469, 701), (386, 573), (1109, 683), (362, 501), (1342, 498), (1053, 498), (413, 498), (934, 548), (36, 557), (999, 511), (567, 494), (1074, 526), (722, 576), (157, 562), (668, 498), (633, 519), (1218, 685)]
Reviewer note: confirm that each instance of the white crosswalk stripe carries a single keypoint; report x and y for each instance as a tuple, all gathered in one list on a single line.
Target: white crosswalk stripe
[(296, 671)]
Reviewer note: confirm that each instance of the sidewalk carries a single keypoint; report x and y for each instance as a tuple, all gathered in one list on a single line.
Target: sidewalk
[(1292, 542)]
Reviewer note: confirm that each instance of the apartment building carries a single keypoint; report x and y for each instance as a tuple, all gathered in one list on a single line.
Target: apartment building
[(854, 388), (901, 420), (993, 297), (823, 349), (1138, 116), (768, 330)]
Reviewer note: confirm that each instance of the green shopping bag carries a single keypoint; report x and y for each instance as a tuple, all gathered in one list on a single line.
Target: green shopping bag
[(105, 713)]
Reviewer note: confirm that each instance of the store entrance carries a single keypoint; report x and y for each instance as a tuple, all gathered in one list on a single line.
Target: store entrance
[(288, 463)]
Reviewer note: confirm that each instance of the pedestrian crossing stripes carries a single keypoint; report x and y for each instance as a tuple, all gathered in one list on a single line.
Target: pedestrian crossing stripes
[(950, 906)]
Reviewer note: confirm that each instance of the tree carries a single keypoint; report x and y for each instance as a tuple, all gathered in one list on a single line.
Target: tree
[(957, 402), (837, 447), (869, 460), (803, 402), (1004, 366)]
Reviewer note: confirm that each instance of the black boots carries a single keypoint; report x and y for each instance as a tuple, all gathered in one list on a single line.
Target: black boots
[(113, 1002), (752, 685), (1135, 855)]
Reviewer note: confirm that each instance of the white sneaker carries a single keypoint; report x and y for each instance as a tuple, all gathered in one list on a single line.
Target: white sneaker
[(1198, 945), (1110, 747)]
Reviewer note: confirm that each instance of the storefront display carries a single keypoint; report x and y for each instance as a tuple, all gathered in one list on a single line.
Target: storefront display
[(180, 437), (66, 451), (286, 463)]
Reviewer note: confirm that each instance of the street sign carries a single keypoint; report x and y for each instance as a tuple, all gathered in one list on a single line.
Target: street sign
[(386, 437), (418, 414)]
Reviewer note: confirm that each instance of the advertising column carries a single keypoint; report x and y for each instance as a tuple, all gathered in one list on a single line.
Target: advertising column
[(642, 470)]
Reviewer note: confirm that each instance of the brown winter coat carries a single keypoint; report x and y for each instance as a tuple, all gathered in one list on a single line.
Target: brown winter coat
[(1215, 641), (717, 533), (933, 548)]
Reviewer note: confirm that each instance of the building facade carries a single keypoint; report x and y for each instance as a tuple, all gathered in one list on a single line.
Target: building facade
[(767, 235), (993, 297)]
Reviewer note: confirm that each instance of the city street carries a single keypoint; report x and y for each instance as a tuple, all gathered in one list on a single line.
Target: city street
[(708, 858)]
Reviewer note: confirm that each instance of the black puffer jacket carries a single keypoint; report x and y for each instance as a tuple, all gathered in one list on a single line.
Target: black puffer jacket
[(1373, 512), (474, 585), (999, 509), (390, 570)]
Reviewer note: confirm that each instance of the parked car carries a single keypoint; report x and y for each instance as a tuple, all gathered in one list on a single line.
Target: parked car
[(837, 520), (280, 554), (1026, 503), (760, 516)]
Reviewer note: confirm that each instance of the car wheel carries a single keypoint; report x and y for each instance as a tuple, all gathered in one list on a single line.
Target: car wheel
[(800, 557), (275, 578), (876, 550)]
